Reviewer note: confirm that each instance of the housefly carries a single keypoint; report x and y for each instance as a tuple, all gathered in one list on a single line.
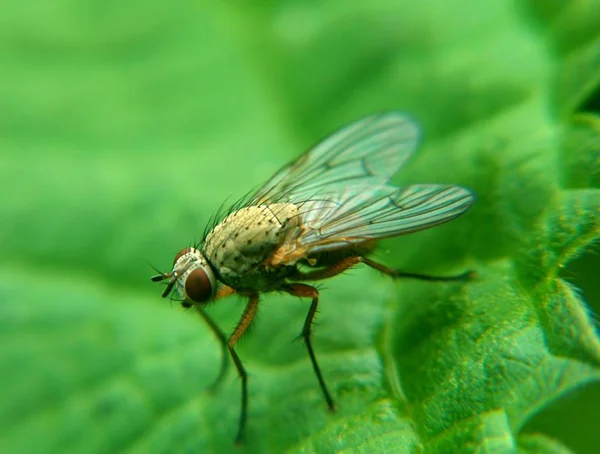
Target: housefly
[(315, 218)]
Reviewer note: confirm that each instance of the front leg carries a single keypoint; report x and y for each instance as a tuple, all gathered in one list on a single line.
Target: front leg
[(220, 335), (222, 292)]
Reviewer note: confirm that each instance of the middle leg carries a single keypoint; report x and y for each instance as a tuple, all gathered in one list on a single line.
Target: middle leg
[(303, 290), (240, 329)]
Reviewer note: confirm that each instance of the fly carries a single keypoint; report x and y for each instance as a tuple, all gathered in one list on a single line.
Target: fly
[(315, 218)]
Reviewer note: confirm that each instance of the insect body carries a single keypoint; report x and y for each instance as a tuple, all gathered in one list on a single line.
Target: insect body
[(314, 219)]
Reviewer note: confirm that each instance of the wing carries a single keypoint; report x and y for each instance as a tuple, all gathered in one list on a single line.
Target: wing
[(366, 153), (365, 213)]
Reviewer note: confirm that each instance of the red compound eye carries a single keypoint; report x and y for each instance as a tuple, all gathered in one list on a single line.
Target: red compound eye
[(198, 287)]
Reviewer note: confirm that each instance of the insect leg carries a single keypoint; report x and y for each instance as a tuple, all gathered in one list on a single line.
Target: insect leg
[(222, 292), (397, 274), (304, 290), (325, 273), (240, 329), (222, 340)]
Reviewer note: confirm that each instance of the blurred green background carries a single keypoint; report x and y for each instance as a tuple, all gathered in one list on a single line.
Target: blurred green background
[(125, 125)]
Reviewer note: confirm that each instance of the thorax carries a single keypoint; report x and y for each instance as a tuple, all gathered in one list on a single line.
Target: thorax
[(241, 243)]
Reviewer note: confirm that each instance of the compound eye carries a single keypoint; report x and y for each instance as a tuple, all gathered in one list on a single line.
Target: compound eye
[(198, 287), (181, 253)]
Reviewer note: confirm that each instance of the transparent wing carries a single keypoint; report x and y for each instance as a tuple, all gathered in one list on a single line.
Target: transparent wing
[(366, 152), (365, 213)]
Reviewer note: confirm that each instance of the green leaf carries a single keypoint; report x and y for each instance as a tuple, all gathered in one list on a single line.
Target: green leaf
[(123, 128), (537, 443)]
